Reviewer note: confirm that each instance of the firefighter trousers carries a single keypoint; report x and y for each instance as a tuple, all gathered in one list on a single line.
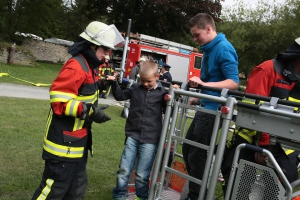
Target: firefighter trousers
[(62, 180)]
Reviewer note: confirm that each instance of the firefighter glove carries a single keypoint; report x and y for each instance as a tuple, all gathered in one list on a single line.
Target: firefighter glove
[(99, 116), (104, 107), (86, 112)]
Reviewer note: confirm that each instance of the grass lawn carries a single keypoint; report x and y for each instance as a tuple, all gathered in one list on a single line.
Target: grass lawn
[(43, 73), (22, 129)]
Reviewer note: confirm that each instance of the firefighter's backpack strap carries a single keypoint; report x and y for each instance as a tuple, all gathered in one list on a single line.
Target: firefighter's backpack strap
[(82, 62)]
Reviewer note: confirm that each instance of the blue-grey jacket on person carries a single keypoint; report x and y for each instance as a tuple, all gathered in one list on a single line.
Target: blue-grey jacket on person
[(219, 62), (144, 122)]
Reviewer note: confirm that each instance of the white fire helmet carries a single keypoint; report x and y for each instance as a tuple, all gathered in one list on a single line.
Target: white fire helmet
[(103, 35), (297, 40)]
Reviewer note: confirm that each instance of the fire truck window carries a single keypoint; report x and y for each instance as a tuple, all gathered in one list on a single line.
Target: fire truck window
[(197, 64), (116, 57), (154, 56)]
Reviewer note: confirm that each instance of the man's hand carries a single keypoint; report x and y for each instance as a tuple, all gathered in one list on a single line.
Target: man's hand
[(195, 81), (110, 78), (175, 86), (104, 107), (99, 116), (194, 101)]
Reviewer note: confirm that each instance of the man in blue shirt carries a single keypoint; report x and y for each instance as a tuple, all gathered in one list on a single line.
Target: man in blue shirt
[(220, 70)]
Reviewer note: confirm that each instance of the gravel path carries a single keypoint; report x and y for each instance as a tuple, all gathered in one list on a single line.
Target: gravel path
[(34, 92)]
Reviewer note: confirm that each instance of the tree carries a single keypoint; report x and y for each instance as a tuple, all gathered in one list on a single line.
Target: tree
[(42, 18), (75, 16), (7, 18), (259, 34), (159, 18)]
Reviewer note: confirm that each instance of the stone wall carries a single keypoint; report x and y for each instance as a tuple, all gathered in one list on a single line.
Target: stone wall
[(44, 51), (35, 50), (4, 55), (22, 56)]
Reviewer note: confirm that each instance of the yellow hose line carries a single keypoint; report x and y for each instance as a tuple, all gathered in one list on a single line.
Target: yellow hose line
[(35, 84)]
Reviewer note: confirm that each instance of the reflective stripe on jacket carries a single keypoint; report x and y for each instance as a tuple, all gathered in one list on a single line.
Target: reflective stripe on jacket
[(67, 136), (247, 134), (104, 70)]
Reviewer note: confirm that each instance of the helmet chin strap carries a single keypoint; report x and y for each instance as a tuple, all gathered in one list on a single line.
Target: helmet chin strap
[(290, 73)]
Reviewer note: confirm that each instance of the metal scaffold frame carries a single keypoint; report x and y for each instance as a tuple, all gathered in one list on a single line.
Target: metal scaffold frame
[(157, 186), (274, 116)]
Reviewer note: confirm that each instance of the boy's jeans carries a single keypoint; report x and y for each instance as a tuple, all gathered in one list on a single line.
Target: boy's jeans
[(145, 154)]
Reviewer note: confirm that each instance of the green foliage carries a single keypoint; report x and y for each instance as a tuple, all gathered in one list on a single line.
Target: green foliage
[(259, 33), (75, 18), (163, 19)]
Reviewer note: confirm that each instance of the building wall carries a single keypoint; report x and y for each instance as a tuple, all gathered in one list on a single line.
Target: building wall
[(36, 50), (44, 51)]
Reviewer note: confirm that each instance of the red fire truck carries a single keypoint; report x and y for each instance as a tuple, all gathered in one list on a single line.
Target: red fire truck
[(184, 60)]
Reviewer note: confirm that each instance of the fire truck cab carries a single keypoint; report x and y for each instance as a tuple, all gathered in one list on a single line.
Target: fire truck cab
[(185, 62)]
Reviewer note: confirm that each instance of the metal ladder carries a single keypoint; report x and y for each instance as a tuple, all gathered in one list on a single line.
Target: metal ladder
[(174, 105), (276, 117)]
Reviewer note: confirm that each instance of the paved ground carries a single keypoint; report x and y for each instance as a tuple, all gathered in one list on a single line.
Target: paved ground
[(34, 92)]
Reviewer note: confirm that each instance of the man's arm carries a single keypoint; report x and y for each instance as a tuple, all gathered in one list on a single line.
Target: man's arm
[(228, 83), (64, 90), (117, 92), (133, 73)]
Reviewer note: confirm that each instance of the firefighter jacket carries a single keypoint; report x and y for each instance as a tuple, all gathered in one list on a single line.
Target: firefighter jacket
[(267, 80), (68, 137), (105, 69)]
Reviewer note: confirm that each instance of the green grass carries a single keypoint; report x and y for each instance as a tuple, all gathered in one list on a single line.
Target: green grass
[(43, 73), (22, 129)]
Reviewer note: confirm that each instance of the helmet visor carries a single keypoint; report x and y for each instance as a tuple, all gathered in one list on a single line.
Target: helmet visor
[(109, 37), (297, 40)]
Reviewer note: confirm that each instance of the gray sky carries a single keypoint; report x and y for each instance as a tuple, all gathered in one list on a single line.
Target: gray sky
[(252, 3)]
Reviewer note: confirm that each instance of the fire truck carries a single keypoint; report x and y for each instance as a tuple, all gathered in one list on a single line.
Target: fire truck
[(184, 60)]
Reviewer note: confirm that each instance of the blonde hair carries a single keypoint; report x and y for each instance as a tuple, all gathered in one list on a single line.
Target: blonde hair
[(148, 68)]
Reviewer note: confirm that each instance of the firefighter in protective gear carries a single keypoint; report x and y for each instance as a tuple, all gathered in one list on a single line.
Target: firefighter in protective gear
[(74, 99), (279, 78), (135, 70), (106, 69)]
